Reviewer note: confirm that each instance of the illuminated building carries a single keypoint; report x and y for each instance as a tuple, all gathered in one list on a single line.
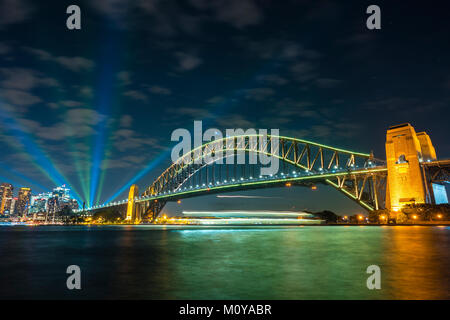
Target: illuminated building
[(53, 202), (23, 201), (53, 205), (13, 205), (39, 203), (6, 197), (405, 150)]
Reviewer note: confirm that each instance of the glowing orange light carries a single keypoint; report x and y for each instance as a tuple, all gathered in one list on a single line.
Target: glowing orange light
[(383, 217), (360, 217), (179, 201), (439, 216), (314, 188), (414, 217), (288, 184), (345, 218)]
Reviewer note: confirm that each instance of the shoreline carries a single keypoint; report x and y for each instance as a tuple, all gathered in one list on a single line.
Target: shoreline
[(440, 224)]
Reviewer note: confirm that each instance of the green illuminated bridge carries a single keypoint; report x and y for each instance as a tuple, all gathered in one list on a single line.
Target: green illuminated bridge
[(234, 164)]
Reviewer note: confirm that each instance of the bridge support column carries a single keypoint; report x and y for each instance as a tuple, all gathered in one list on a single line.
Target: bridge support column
[(405, 150), (132, 211)]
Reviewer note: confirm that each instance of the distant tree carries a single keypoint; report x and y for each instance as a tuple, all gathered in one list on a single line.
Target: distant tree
[(108, 215), (379, 216), (401, 218), (374, 216), (427, 212), (328, 216)]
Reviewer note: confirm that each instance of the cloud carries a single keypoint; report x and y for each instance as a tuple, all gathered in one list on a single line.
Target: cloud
[(235, 121), (71, 103), (85, 91), (136, 95), (76, 64), (17, 84), (14, 11), (126, 139), (273, 79), (238, 13), (159, 90), (187, 61), (196, 113), (258, 94), (126, 121), (288, 111), (327, 82), (283, 50), (124, 78), (24, 79), (216, 100), (4, 48), (304, 71), (75, 123), (18, 97)]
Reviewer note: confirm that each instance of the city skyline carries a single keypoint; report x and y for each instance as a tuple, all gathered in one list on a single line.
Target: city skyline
[(99, 117), (23, 202)]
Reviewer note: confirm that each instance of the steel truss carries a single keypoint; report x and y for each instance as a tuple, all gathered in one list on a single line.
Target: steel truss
[(223, 155)]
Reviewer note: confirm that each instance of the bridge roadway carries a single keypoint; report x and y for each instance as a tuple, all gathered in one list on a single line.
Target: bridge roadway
[(304, 178)]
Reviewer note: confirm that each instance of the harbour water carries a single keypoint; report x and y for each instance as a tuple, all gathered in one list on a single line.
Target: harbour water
[(170, 262)]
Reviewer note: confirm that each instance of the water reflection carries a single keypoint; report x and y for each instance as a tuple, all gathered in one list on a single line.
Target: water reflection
[(308, 262), (417, 263)]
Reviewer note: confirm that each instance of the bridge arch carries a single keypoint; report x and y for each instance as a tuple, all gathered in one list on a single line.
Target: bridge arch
[(357, 175)]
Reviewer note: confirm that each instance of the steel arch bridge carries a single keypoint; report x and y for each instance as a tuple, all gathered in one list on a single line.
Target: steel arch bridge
[(229, 164)]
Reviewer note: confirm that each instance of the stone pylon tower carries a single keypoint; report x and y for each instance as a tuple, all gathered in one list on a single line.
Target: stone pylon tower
[(132, 212), (405, 150)]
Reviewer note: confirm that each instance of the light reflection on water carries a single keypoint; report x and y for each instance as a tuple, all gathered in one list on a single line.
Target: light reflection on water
[(149, 262)]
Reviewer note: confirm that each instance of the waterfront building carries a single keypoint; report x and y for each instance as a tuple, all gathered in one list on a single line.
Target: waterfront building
[(52, 202), (39, 203), (6, 197), (23, 201)]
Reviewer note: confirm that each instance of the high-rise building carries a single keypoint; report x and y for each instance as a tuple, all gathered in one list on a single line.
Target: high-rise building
[(39, 203), (53, 202), (13, 205), (6, 196), (23, 201)]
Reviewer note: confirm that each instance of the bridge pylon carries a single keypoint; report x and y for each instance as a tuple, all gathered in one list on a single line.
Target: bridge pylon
[(405, 151), (133, 212)]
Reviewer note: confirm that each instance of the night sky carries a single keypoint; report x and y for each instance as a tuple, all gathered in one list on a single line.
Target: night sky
[(95, 108)]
